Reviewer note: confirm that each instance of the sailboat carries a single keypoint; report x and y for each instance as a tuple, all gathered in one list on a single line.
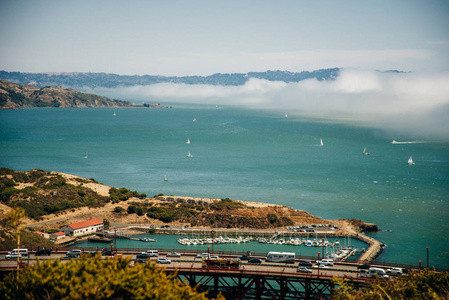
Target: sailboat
[(188, 141), (114, 114), (321, 142), (410, 161), (86, 155), (286, 115), (189, 155), (364, 151), (165, 178), (194, 120)]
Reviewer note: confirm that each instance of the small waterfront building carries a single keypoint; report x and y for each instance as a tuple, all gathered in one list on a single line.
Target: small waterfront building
[(57, 235), (83, 228)]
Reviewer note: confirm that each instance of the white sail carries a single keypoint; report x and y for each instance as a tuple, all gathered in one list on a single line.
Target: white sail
[(165, 178), (321, 142), (86, 155), (189, 155), (188, 141), (410, 161), (364, 151)]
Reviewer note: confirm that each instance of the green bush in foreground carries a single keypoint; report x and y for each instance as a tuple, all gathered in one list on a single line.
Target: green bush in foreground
[(94, 278), (418, 285)]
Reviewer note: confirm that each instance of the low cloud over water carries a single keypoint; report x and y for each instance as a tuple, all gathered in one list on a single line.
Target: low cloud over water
[(413, 103)]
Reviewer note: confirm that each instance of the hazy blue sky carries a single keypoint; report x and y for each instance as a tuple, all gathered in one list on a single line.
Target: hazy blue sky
[(204, 37)]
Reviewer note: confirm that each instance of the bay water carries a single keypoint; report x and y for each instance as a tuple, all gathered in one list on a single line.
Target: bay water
[(249, 155)]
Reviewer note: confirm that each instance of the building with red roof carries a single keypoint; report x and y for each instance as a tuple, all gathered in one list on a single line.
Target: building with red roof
[(83, 228)]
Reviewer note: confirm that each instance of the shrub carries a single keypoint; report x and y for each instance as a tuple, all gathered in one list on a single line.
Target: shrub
[(118, 209)]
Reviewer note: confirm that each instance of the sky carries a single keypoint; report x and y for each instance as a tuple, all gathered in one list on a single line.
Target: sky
[(202, 37)]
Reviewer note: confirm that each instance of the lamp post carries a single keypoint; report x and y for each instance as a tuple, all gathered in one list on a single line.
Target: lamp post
[(208, 257), (322, 244), (420, 265), (111, 249), (213, 240), (427, 248), (115, 240)]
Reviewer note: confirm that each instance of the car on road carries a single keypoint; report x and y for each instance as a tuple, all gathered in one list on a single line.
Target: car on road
[(305, 263), (163, 260), (13, 256), (70, 256), (395, 271), (325, 262), (364, 267), (255, 260), (303, 270), (153, 253), (143, 255), (108, 253), (140, 261), (43, 252), (173, 254), (320, 266), (74, 252), (202, 255), (244, 257)]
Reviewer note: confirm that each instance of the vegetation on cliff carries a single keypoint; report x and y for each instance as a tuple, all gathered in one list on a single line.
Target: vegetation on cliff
[(95, 278), (14, 96)]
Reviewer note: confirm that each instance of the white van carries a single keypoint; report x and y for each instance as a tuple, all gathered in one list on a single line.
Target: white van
[(14, 252), (281, 257), (372, 272), (153, 253)]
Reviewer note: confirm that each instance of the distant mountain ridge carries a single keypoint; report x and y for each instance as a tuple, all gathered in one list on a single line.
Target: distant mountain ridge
[(16, 96), (93, 80)]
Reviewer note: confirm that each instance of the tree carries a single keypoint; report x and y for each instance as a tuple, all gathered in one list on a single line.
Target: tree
[(106, 223), (95, 278), (14, 220)]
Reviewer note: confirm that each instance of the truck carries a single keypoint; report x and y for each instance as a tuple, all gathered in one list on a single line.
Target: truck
[(281, 257), (221, 263)]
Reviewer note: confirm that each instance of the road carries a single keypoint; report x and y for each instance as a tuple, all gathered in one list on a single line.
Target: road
[(187, 261)]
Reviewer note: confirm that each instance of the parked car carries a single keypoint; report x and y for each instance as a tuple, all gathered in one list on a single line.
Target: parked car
[(143, 255), (245, 257), (43, 252), (303, 270), (255, 260), (173, 254), (305, 263), (163, 260), (364, 267), (395, 271)]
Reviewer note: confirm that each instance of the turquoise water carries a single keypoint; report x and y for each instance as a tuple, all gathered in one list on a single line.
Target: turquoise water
[(249, 155), (169, 242)]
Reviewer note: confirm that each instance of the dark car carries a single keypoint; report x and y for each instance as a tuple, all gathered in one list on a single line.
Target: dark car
[(70, 256), (140, 261), (364, 266), (43, 252), (255, 261), (244, 257), (305, 263), (143, 255)]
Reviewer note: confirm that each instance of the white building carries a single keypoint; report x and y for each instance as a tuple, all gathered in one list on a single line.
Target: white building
[(83, 228)]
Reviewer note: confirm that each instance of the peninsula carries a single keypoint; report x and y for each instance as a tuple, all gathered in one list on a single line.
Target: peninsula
[(52, 200)]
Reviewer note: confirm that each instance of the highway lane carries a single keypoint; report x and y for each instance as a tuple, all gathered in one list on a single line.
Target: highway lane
[(191, 261)]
